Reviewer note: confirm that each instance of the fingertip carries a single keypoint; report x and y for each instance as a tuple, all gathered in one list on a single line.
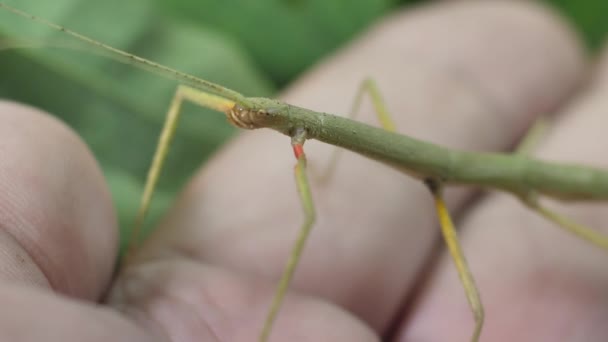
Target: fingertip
[(537, 281), (55, 209)]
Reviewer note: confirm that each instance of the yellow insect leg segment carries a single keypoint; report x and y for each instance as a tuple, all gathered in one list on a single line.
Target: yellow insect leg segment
[(296, 253), (164, 141), (384, 117), (532, 201), (533, 136), (204, 99), (382, 113), (579, 230), (466, 278)]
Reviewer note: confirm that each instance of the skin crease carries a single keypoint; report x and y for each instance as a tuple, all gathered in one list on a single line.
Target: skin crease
[(471, 75)]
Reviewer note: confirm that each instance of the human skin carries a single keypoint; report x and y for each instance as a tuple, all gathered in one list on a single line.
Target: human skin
[(467, 75)]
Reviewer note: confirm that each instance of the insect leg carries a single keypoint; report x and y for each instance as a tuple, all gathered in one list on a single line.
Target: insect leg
[(308, 208), (466, 278), (384, 117), (531, 199), (168, 131), (585, 233), (533, 136)]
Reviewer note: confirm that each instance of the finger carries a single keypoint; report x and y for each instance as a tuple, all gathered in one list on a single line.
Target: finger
[(538, 282), (58, 225), (30, 315), (375, 227)]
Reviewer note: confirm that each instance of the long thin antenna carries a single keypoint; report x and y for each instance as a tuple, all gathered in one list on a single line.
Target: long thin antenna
[(140, 62)]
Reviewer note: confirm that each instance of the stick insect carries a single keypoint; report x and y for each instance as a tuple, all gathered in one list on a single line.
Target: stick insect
[(526, 178)]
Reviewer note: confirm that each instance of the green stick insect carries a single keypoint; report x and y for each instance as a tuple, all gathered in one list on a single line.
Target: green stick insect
[(435, 166)]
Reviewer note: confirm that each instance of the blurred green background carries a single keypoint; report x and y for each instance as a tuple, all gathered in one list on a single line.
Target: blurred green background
[(255, 47)]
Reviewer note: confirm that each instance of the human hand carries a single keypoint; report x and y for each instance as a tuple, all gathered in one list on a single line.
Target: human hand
[(469, 76)]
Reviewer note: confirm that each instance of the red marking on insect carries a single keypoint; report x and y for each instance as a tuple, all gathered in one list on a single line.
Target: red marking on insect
[(298, 150)]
